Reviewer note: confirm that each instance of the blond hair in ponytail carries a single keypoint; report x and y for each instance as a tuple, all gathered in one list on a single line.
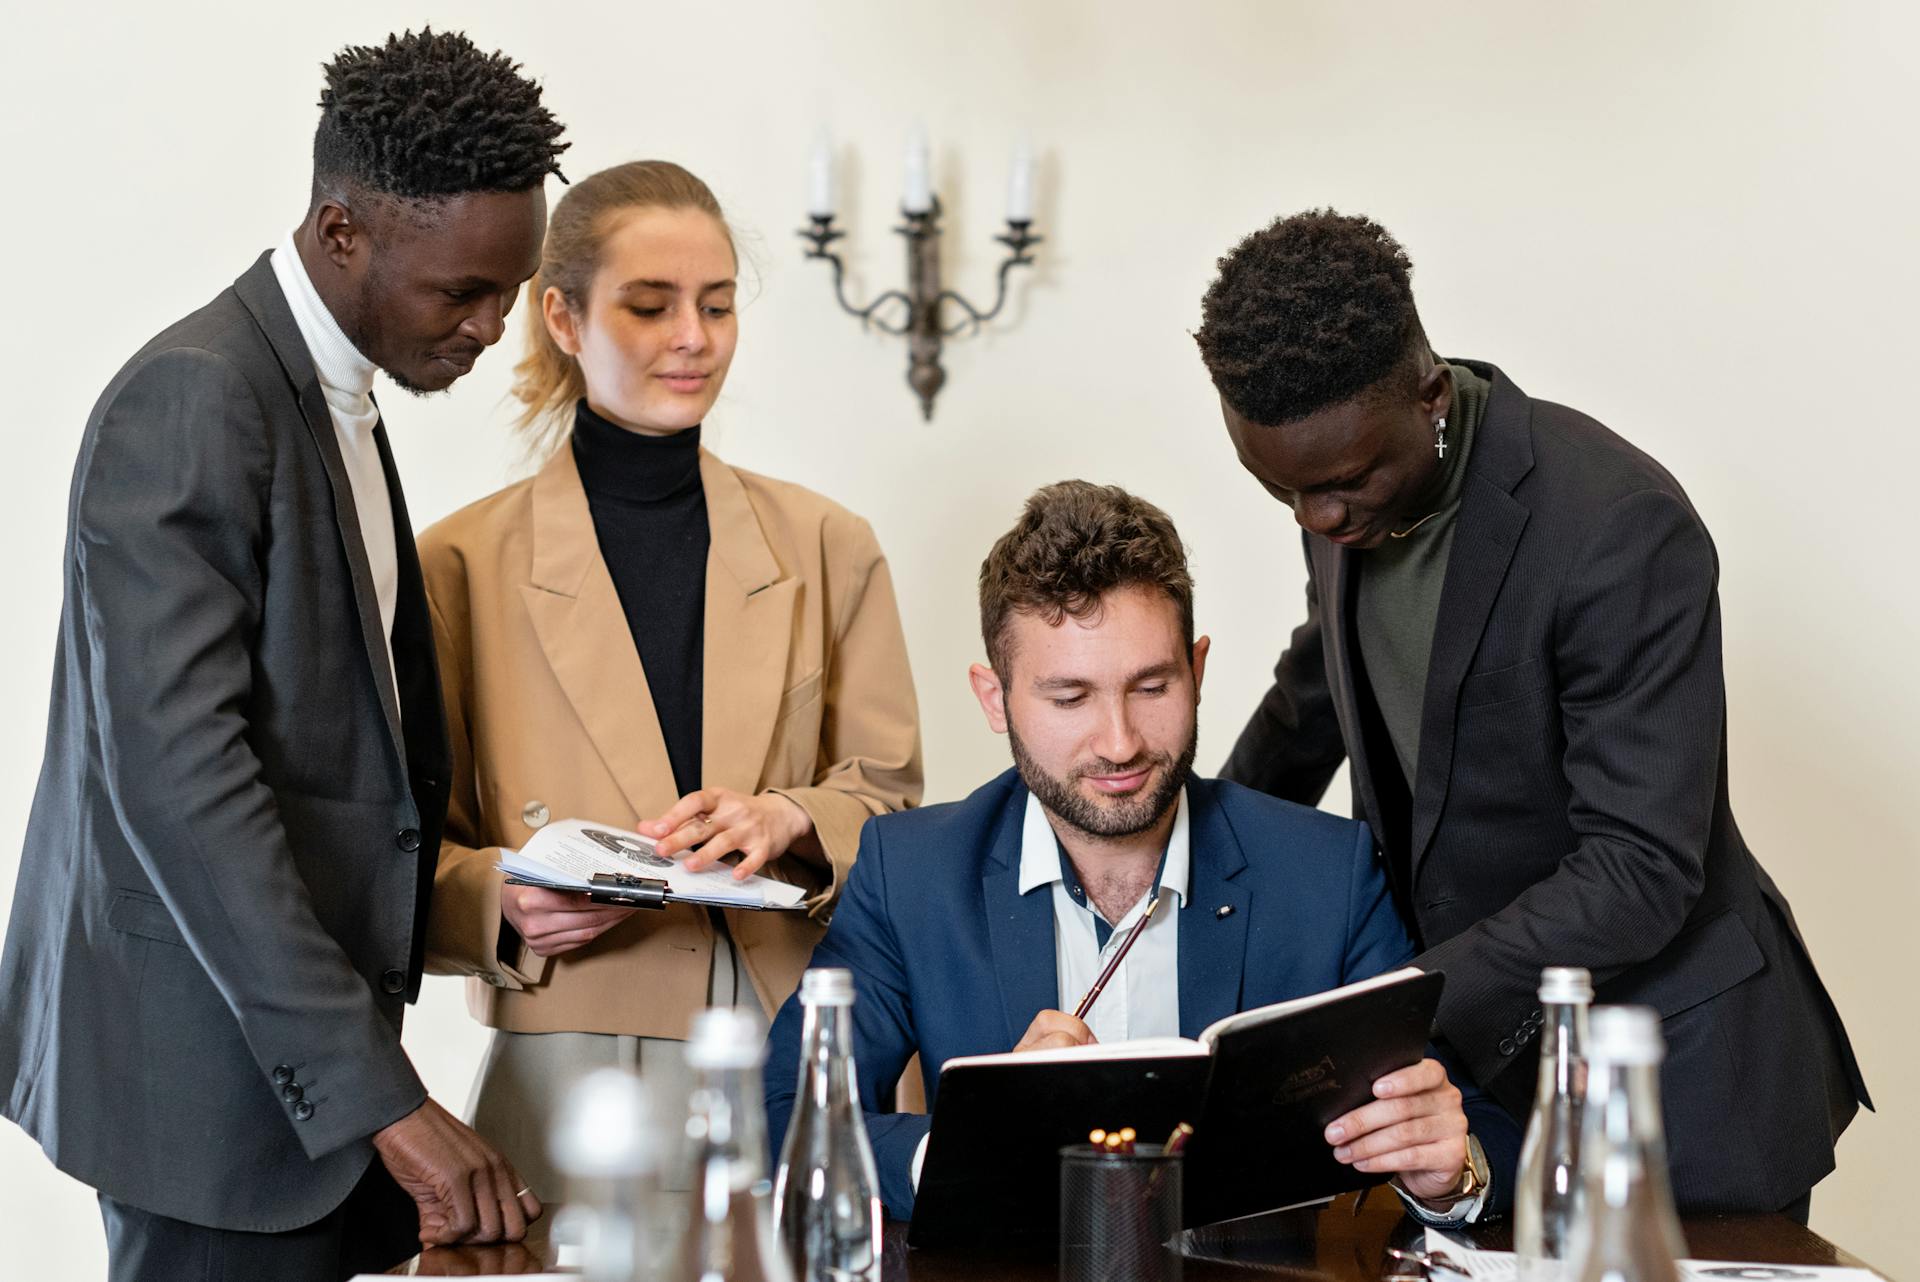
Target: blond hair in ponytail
[(548, 381)]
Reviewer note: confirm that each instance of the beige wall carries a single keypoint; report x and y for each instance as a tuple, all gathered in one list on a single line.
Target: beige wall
[(1695, 221)]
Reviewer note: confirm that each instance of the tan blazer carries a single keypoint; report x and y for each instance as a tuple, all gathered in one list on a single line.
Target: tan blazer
[(807, 693)]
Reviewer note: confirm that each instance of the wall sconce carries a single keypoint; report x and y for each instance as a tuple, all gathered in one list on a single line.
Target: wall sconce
[(923, 321)]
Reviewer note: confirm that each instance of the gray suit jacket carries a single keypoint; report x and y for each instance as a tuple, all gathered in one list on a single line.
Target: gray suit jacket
[(221, 904)]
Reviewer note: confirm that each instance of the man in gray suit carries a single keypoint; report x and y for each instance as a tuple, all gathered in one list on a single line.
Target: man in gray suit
[(221, 905)]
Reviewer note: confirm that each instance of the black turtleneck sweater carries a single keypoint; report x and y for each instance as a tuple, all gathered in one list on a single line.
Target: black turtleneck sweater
[(650, 516)]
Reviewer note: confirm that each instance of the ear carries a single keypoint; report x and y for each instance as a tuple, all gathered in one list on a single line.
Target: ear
[(1200, 648), (560, 320), (337, 231), (1436, 391), (992, 696)]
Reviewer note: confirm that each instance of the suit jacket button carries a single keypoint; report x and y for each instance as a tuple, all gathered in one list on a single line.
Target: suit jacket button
[(291, 1092), (534, 814), (408, 839), (303, 1110), (1506, 1046), (394, 981), (282, 1074)]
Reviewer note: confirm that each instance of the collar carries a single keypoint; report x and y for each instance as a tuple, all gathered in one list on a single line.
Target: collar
[(1040, 850), (336, 360), (633, 466)]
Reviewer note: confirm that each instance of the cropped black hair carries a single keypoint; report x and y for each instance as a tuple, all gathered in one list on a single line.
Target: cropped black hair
[(1311, 311), (427, 116)]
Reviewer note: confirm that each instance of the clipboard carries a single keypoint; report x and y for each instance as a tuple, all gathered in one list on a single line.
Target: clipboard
[(624, 890)]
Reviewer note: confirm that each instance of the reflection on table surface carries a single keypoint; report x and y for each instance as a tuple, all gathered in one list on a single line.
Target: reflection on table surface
[(1345, 1240)]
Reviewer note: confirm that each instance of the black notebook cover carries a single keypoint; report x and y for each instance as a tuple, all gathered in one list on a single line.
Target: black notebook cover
[(1258, 1104)]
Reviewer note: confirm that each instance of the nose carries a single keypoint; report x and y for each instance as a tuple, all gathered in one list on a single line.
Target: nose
[(1117, 739), (689, 330), (488, 323), (1319, 513)]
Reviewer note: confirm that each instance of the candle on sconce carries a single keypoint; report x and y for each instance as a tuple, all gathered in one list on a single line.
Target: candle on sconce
[(917, 196), (1020, 183), (820, 178)]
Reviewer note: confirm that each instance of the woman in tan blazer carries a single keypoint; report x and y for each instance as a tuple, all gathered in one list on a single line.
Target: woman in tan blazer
[(643, 635)]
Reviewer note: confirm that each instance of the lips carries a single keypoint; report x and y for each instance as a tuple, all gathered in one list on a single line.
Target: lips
[(462, 361), (1121, 784), (685, 380)]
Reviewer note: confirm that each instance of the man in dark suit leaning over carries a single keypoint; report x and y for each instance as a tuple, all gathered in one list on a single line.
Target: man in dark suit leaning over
[(221, 906), (969, 927), (1513, 633)]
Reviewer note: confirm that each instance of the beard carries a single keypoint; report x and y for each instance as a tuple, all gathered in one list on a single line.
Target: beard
[(1120, 816), (364, 327)]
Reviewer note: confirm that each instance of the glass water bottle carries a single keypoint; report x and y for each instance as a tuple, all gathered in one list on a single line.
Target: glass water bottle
[(1547, 1190), (603, 1143), (729, 1233), (826, 1199), (1626, 1229)]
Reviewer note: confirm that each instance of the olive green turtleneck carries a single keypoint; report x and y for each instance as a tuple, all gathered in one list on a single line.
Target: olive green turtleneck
[(1400, 583)]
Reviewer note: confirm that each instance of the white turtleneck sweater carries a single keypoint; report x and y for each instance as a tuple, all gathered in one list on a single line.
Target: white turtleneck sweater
[(346, 379)]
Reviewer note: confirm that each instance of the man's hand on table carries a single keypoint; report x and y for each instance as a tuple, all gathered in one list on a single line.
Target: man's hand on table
[(1415, 1129), (464, 1190)]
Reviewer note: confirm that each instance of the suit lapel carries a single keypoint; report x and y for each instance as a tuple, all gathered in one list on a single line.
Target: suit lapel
[(259, 289), (1487, 531), (749, 628), (1019, 927), (583, 632), (1213, 948), (1337, 568), (423, 716)]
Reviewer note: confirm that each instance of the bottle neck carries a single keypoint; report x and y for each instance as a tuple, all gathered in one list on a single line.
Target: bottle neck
[(827, 1058), (1563, 1047)]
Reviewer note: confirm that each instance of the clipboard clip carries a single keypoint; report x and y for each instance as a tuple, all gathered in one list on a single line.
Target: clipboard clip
[(624, 890)]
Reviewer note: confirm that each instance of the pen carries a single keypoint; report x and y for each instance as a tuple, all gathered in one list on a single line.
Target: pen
[(1120, 955)]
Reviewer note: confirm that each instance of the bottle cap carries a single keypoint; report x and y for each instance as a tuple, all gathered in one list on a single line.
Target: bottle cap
[(826, 987), (1565, 985), (603, 1128), (1625, 1035), (726, 1037)]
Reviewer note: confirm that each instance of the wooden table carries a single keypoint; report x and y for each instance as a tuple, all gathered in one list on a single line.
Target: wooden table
[(1345, 1240)]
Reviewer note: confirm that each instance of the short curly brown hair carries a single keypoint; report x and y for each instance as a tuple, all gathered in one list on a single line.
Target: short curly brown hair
[(1074, 543), (1311, 311)]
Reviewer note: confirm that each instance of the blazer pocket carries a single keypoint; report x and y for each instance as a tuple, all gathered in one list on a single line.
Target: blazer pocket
[(1500, 684), (799, 696), (1697, 967), (134, 913)]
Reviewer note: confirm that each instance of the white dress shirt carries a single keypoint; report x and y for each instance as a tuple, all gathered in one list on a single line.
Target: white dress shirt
[(1143, 997), (346, 379)]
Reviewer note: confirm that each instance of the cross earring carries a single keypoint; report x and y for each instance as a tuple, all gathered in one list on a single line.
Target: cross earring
[(1440, 436)]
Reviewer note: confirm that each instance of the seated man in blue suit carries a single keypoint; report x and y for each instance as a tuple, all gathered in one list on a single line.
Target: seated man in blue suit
[(971, 928)]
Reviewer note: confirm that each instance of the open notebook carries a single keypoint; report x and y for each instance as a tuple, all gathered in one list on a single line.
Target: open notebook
[(1258, 1088), (567, 854)]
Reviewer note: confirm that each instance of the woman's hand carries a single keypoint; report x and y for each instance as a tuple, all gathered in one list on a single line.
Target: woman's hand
[(1415, 1128), (556, 921), (712, 822)]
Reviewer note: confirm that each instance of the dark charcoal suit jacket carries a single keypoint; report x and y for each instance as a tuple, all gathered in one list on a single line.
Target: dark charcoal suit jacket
[(949, 958), (1571, 806), (220, 908)]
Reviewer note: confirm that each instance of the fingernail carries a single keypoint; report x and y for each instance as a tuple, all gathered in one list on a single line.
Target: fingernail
[(1336, 1133), (1342, 1153), (1383, 1088)]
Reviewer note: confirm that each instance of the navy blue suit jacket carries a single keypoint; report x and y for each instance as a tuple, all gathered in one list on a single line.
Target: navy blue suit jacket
[(949, 958)]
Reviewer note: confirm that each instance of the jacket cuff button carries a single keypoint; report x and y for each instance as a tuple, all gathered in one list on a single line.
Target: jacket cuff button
[(303, 1110)]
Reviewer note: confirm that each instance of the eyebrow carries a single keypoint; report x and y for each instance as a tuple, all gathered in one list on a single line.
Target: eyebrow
[(671, 287), (1167, 669)]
